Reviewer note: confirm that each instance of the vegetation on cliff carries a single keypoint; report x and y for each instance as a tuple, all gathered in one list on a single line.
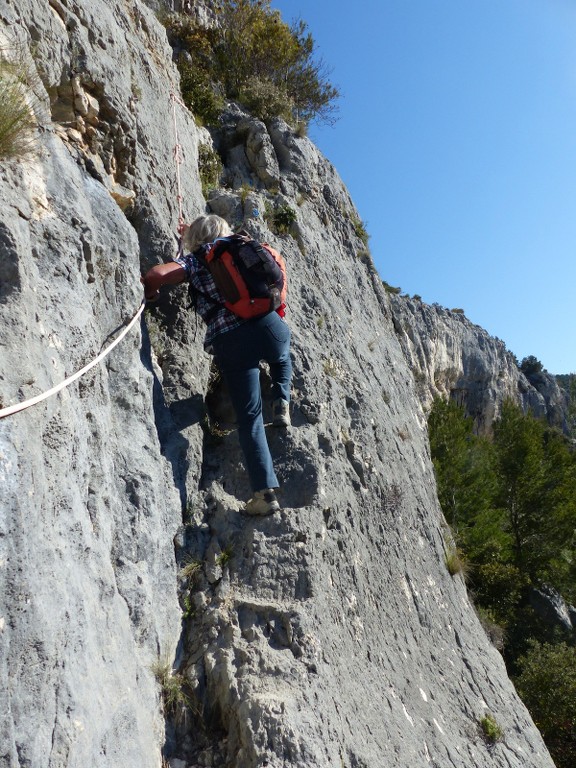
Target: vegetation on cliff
[(568, 383), (251, 56), (510, 501), (17, 120)]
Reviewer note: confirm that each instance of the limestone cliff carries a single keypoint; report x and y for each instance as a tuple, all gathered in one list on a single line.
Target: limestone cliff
[(452, 357), (328, 635)]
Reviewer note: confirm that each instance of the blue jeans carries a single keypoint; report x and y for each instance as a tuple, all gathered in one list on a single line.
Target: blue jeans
[(238, 353)]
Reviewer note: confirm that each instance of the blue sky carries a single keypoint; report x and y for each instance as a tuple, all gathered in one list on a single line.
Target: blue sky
[(457, 142)]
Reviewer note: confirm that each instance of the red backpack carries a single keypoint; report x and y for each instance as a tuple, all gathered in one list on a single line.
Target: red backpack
[(251, 276)]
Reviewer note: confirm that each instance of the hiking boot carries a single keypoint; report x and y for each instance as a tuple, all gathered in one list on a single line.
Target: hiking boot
[(280, 413), (262, 503)]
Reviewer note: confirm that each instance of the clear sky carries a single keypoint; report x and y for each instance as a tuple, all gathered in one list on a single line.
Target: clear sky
[(457, 142)]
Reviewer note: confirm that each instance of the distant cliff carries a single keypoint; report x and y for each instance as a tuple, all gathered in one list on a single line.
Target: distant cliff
[(451, 357), (144, 621)]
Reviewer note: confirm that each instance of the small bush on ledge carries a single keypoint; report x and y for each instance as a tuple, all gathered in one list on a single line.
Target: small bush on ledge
[(175, 699), (210, 168), (491, 731), (283, 218), (394, 290), (456, 562), (17, 120)]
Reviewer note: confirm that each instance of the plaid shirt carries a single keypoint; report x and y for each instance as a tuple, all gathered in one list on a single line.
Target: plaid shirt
[(209, 301)]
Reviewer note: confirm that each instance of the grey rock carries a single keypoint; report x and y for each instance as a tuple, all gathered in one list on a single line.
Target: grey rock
[(452, 357), (88, 503), (226, 204), (331, 632), (556, 398), (259, 151), (552, 608)]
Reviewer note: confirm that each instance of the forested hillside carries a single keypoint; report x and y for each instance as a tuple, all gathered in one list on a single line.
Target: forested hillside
[(510, 500)]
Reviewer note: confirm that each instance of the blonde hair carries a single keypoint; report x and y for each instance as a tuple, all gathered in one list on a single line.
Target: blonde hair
[(204, 229)]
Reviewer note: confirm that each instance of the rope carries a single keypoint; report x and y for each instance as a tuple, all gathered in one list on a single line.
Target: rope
[(178, 160), (10, 410), (45, 395)]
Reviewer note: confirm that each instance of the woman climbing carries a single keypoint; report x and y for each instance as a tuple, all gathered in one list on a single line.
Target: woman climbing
[(238, 344)]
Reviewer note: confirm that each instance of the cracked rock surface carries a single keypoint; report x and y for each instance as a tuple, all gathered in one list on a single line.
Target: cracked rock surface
[(329, 634), (452, 357)]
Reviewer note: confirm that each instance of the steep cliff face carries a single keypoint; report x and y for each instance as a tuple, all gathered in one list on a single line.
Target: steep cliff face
[(452, 357), (88, 507), (330, 634)]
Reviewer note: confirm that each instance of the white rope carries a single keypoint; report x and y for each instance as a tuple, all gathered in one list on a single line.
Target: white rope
[(35, 400), (38, 399)]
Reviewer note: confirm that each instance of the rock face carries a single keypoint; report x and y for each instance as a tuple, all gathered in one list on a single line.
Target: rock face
[(88, 504), (452, 357), (553, 609), (330, 634)]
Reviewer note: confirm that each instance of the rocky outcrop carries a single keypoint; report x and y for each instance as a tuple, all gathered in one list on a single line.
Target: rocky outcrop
[(330, 634), (557, 399), (451, 357), (553, 609)]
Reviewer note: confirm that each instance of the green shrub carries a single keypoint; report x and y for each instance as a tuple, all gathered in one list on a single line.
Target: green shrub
[(456, 561), (391, 289), (495, 631), (265, 100), (198, 92), (531, 365), (191, 571), (364, 256), (301, 129), (244, 191), (253, 57), (225, 557), (547, 685), (210, 168), (360, 229), (500, 587), (491, 731), (173, 689), (17, 120), (283, 218)]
